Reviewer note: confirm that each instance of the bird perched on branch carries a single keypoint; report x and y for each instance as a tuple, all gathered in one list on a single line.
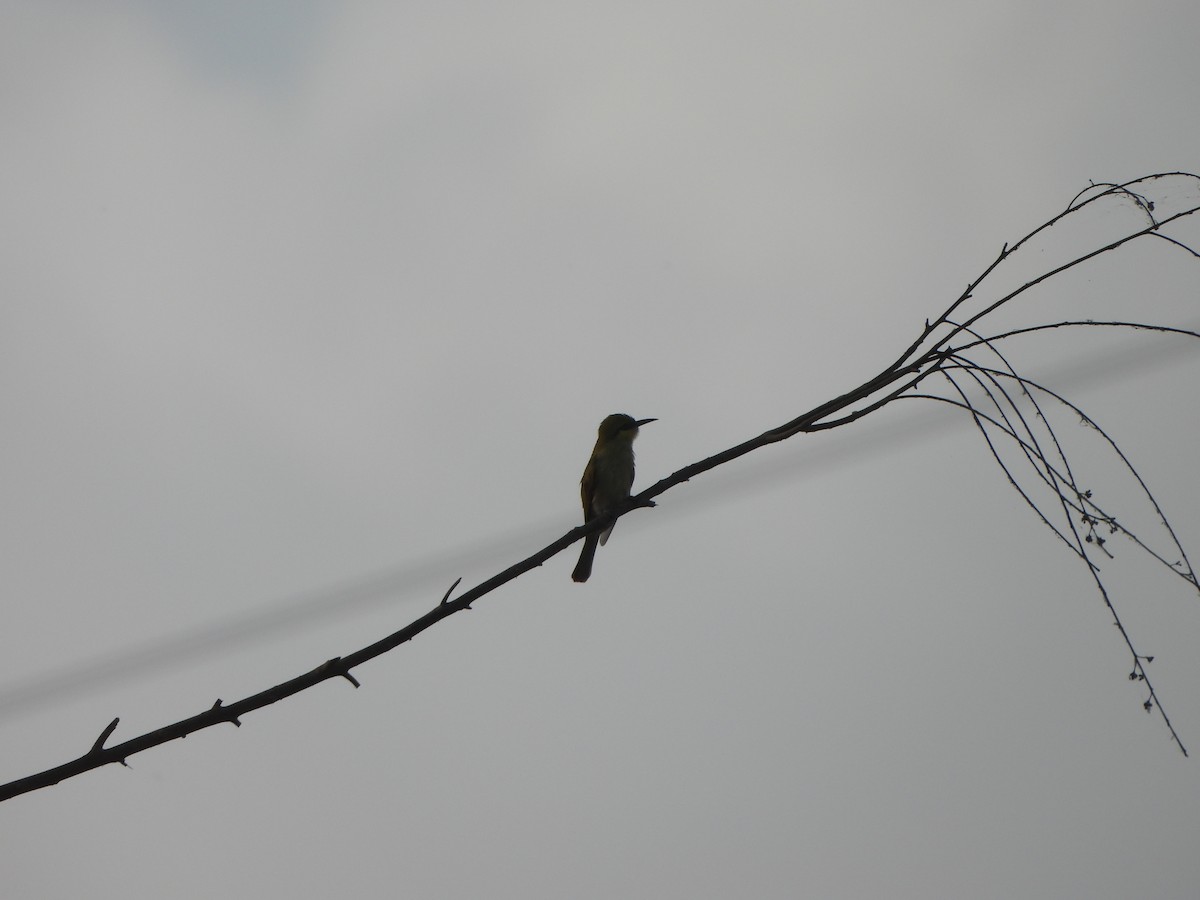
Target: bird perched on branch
[(606, 481)]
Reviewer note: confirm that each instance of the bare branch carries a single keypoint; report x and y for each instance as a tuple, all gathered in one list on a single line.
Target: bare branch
[(931, 353)]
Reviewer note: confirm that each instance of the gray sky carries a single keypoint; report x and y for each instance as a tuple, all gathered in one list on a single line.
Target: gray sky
[(299, 295)]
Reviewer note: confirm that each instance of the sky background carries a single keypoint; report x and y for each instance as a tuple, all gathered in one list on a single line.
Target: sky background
[(310, 309)]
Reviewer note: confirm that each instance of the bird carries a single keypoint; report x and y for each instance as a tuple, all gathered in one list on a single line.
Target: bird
[(606, 481)]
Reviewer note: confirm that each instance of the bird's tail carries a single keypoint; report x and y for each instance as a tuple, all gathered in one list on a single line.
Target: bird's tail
[(583, 568)]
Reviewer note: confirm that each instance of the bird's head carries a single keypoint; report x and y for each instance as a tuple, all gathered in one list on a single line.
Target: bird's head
[(620, 425)]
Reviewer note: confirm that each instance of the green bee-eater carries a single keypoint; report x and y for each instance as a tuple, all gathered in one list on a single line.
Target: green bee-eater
[(606, 481)]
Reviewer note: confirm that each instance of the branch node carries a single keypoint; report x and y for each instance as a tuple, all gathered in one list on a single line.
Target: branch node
[(233, 719), (446, 596), (350, 678), (327, 665), (104, 736)]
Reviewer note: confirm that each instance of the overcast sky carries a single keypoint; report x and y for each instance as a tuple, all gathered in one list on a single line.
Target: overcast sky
[(311, 308)]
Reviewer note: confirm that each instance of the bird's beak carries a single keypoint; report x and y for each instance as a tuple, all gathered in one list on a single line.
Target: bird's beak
[(640, 422)]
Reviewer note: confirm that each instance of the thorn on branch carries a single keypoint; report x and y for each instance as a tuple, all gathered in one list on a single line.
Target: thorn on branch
[(104, 736), (446, 597), (333, 664)]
